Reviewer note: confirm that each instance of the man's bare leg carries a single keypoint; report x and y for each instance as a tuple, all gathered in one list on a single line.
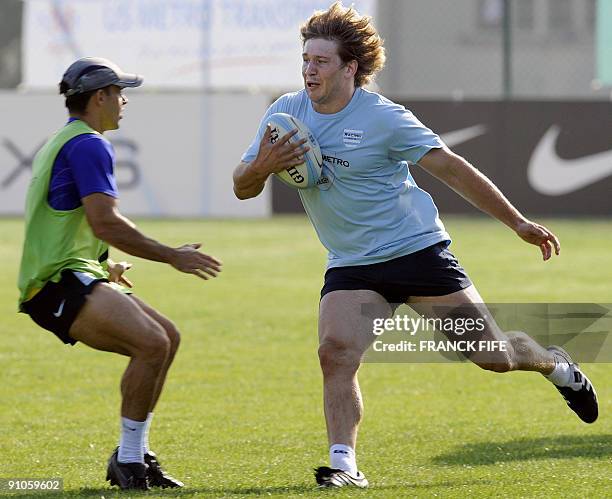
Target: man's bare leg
[(173, 335), (345, 333), (522, 353), (113, 322), (157, 476)]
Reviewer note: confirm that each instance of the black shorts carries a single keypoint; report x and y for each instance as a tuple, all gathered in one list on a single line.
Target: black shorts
[(57, 304), (433, 271)]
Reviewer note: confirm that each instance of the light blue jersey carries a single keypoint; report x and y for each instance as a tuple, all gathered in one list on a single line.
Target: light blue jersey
[(367, 207)]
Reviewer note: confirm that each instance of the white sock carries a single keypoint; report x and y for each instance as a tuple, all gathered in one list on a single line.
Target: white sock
[(561, 374), (145, 437), (130, 445), (342, 457)]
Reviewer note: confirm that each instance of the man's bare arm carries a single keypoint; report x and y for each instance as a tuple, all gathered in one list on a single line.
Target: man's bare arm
[(250, 178), (118, 231), (248, 181), (470, 183)]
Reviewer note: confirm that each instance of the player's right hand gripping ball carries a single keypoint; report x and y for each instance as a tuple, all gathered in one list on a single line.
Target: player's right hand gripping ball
[(307, 174)]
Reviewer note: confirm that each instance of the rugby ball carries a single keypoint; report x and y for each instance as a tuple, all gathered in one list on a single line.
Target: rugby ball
[(307, 174)]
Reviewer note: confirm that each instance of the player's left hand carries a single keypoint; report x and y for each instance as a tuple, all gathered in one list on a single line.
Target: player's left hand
[(539, 235), (116, 270)]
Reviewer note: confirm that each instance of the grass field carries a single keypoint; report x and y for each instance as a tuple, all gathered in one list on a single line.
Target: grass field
[(242, 411)]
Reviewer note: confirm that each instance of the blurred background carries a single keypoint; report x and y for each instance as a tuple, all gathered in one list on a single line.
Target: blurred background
[(522, 88)]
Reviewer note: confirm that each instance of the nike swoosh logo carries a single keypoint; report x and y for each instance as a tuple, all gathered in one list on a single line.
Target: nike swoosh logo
[(457, 137), (60, 310), (549, 174)]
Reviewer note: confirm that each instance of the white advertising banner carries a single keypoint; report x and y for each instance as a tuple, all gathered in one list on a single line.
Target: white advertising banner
[(234, 44), (170, 161)]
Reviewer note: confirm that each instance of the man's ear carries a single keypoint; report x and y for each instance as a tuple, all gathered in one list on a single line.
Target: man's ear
[(351, 68), (99, 96)]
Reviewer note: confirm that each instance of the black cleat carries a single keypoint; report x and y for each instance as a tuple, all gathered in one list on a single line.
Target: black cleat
[(579, 394), (157, 476), (331, 477), (128, 476)]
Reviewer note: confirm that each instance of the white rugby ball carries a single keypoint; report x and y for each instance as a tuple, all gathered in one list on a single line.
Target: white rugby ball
[(307, 174)]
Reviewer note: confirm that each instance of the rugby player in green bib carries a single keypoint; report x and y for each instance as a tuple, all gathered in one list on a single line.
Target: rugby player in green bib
[(68, 284), (386, 243)]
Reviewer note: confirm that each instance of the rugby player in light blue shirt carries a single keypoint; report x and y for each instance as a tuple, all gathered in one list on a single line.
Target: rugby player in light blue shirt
[(386, 243)]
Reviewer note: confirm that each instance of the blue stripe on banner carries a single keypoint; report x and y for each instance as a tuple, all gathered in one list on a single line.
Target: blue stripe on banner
[(57, 12)]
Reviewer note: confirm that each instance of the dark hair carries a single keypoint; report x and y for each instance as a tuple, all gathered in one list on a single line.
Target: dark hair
[(355, 35), (77, 103)]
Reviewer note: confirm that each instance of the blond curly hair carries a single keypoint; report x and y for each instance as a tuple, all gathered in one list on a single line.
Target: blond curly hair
[(355, 35)]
